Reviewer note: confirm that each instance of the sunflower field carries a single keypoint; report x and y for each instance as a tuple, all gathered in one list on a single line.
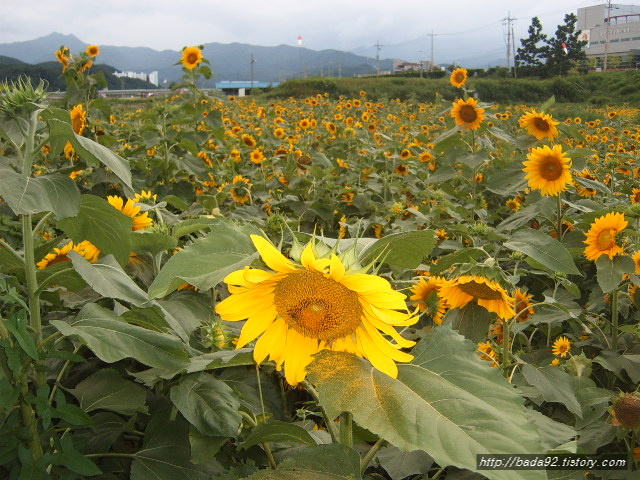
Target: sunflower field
[(315, 288)]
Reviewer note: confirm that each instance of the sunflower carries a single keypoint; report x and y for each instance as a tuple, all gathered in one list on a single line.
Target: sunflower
[(63, 57), (548, 170), (561, 347), (300, 310), (601, 237), (85, 248), (523, 307), (240, 192), (78, 119), (467, 113), (402, 169), (257, 156), (248, 140), (487, 293), (539, 124), (69, 151), (93, 50), (585, 191), (635, 195), (458, 77), (427, 298), (487, 353), (191, 57), (626, 411), (140, 220)]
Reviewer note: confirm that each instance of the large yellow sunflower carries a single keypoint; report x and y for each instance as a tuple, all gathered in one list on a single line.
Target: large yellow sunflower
[(601, 237), (458, 77), (93, 50), (191, 57), (487, 293), (539, 124), (78, 119), (298, 310), (467, 113), (140, 220), (548, 170), (84, 248)]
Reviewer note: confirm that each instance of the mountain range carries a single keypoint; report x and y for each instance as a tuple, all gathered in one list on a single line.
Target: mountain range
[(228, 61)]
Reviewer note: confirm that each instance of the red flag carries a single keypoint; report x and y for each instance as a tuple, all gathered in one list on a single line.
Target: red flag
[(565, 49), (299, 40)]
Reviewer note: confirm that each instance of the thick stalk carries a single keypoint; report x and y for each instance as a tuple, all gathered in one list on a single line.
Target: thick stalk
[(506, 333), (331, 427), (559, 219), (346, 429), (29, 420), (364, 463), (32, 281), (614, 319)]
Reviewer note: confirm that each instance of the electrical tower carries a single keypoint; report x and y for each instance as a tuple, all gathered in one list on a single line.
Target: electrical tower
[(433, 65), (510, 40), (378, 48)]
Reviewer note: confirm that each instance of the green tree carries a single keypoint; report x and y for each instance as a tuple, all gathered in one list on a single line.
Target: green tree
[(559, 62), (530, 58)]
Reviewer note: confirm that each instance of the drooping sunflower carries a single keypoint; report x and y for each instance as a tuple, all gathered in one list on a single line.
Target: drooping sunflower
[(539, 124), (586, 191), (635, 195), (63, 57), (427, 297), (561, 347), (93, 50), (487, 353), (191, 57), (140, 220), (467, 113), (78, 119), (299, 310), (601, 237), (523, 307), (548, 170), (240, 192), (458, 77), (84, 248), (487, 293)]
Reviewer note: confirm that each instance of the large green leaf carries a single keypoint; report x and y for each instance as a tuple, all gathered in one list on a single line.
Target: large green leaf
[(446, 402), (165, 452), (277, 431), (554, 385), (610, 271), (209, 404), (108, 279), (112, 339), (46, 193), (206, 261), (472, 321), (544, 249), (399, 464), (60, 127), (463, 255), (107, 390), (103, 225), (322, 462), (404, 249)]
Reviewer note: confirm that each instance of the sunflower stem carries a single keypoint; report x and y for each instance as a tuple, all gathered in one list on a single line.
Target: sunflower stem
[(614, 319), (346, 429), (559, 219), (331, 427), (364, 463), (506, 333)]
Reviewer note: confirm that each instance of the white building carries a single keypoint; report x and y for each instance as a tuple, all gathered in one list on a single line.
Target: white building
[(147, 77)]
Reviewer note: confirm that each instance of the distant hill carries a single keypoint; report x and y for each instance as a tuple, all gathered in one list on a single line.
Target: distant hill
[(228, 61), (51, 72)]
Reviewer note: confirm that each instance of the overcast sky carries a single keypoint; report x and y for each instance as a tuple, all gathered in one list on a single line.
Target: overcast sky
[(323, 24)]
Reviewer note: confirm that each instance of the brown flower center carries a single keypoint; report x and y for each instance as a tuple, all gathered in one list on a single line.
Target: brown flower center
[(480, 290), (541, 124), (192, 58), (317, 307), (606, 239), (459, 77), (551, 169), (468, 114)]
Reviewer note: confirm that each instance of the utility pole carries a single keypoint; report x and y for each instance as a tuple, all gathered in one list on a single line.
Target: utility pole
[(432, 60), (515, 66), (608, 31), (508, 21), (253, 60), (378, 48)]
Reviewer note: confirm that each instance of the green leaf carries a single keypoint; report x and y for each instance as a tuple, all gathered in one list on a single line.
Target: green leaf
[(206, 261), (112, 339), (223, 358), (555, 385), (103, 225), (165, 452), (74, 460), (615, 363), (447, 402), (322, 462), (185, 312), (609, 272), (208, 404), (463, 255), (277, 431), (107, 390), (61, 274), (544, 249), (472, 321), (399, 464), (509, 181), (46, 193), (152, 242), (60, 126), (405, 249), (108, 279)]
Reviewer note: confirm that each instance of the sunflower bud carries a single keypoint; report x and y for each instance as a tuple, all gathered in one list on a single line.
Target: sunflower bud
[(579, 365), (626, 411), (20, 98)]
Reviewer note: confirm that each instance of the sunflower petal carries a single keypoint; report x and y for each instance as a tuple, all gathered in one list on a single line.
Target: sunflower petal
[(276, 333), (256, 325), (378, 359), (271, 256)]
